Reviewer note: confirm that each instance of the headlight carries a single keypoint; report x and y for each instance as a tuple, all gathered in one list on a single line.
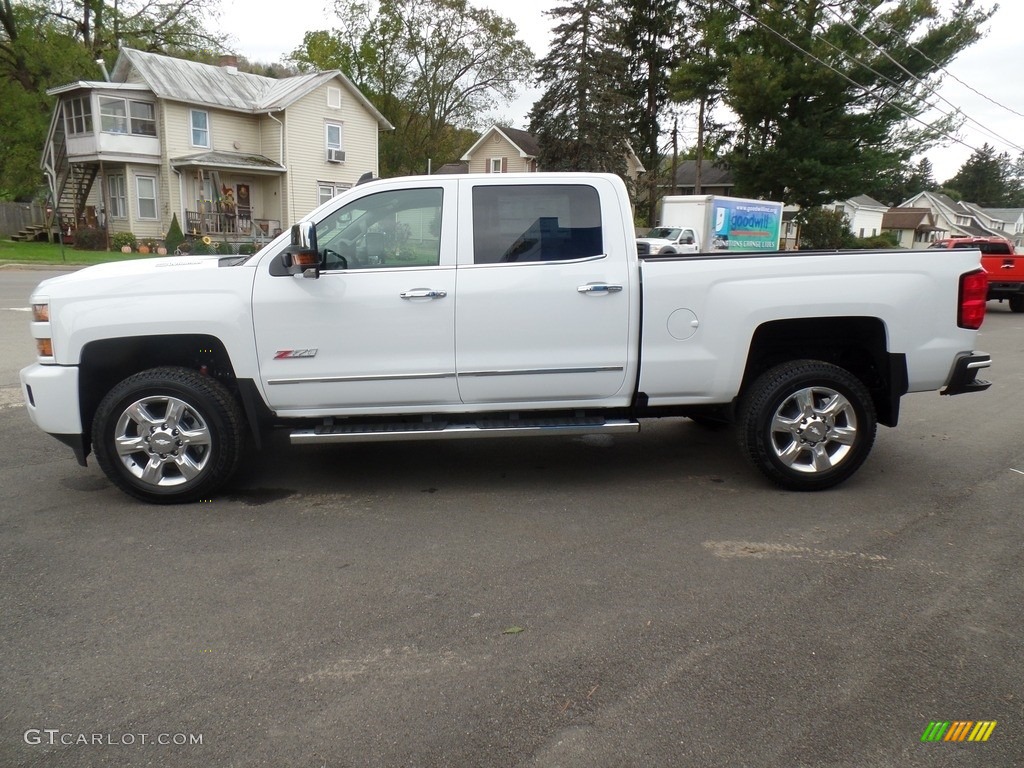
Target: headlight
[(41, 313), (44, 347)]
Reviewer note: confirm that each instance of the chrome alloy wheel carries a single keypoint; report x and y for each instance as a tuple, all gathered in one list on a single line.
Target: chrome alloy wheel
[(813, 429), (162, 441)]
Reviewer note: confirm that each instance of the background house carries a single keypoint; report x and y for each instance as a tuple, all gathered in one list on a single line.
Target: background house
[(864, 213), (230, 153), (913, 227), (714, 180), (501, 149)]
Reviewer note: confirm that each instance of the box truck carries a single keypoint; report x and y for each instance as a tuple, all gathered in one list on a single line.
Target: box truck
[(713, 223)]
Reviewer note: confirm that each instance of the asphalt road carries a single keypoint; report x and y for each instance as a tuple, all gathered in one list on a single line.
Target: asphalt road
[(644, 600)]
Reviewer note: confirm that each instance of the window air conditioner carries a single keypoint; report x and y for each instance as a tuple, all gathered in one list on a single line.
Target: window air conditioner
[(335, 156)]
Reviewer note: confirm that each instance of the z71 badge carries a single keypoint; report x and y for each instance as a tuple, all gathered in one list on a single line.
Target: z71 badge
[(287, 354)]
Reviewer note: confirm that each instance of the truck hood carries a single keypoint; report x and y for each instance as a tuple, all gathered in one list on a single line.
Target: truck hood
[(137, 273), (654, 241)]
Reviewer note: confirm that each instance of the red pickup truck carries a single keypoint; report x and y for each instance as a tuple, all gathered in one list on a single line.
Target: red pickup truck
[(1004, 266)]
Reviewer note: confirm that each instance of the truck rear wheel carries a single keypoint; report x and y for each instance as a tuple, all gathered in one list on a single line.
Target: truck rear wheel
[(1017, 302), (168, 435), (807, 425)]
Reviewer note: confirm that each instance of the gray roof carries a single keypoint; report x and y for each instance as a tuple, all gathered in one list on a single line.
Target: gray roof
[(866, 201), (711, 175), (525, 140), (1005, 214), (226, 87), (238, 160)]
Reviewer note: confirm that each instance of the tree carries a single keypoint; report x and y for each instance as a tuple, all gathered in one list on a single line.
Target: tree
[(825, 228), (580, 119), (433, 68), (702, 73), (984, 179), (826, 94), (651, 29)]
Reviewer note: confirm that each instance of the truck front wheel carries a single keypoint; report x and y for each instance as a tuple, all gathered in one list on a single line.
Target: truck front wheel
[(807, 425), (168, 435)]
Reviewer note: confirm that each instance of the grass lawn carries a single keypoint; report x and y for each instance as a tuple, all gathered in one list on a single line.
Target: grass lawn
[(50, 253)]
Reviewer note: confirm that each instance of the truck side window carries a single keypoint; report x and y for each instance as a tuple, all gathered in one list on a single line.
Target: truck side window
[(527, 223), (401, 228)]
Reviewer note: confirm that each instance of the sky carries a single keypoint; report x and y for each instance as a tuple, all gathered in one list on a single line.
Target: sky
[(994, 67)]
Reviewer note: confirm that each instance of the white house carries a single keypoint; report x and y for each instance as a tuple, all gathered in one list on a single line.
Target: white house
[(228, 152), (864, 213)]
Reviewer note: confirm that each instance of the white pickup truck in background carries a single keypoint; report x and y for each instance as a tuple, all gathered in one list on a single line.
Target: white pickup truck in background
[(490, 306)]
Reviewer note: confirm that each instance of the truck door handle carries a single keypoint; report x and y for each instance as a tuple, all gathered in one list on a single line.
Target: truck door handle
[(423, 293), (599, 288)]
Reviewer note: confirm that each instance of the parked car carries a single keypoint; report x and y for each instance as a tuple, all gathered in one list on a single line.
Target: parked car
[(1004, 266), (486, 306)]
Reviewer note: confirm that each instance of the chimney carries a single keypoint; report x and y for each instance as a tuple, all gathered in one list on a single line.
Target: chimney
[(228, 60)]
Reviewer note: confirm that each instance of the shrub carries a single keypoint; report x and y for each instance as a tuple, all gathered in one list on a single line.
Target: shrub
[(175, 237), (225, 248), (120, 239), (199, 248), (247, 249), (90, 239)]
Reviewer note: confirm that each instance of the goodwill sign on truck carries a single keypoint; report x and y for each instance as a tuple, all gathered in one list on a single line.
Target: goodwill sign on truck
[(704, 223)]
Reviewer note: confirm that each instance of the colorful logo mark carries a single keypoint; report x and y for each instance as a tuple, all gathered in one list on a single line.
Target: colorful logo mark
[(958, 730)]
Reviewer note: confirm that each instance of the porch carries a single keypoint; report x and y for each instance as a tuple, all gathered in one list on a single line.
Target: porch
[(238, 222)]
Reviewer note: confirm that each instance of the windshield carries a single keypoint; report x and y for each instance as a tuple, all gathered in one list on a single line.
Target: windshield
[(664, 233)]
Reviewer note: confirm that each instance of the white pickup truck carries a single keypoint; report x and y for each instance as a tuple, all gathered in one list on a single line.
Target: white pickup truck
[(490, 306)]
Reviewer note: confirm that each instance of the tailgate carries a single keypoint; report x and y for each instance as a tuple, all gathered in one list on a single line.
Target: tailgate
[(1002, 267)]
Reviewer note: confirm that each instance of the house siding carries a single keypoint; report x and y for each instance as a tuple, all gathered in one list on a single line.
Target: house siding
[(306, 148), (497, 146)]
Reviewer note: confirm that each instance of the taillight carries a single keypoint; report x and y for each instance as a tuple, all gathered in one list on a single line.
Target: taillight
[(973, 295)]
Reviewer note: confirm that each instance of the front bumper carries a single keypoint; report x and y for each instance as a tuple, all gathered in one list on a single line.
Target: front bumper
[(964, 375), (51, 396)]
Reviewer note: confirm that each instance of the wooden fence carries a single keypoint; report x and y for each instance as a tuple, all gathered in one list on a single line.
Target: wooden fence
[(16, 216)]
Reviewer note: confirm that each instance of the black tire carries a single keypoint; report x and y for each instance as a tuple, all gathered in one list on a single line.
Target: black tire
[(168, 435), (1017, 302), (807, 425)]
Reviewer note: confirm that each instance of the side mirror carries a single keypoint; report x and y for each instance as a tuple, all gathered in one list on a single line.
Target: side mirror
[(302, 257), (688, 239)]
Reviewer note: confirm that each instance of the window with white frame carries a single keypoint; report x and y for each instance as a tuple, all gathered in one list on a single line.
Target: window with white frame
[(118, 196), (496, 164), (334, 142), (200, 122), (125, 116), (334, 98), (78, 116), (142, 116), (145, 189), (113, 115), (327, 190)]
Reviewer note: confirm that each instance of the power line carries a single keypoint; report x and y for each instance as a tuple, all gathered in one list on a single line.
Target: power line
[(917, 79), (945, 71), (865, 89)]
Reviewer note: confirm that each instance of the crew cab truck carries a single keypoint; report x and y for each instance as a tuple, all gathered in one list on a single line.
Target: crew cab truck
[(490, 306)]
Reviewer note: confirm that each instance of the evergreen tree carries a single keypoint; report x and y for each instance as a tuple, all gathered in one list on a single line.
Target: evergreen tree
[(822, 105), (984, 179), (651, 31), (580, 119), (701, 77)]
